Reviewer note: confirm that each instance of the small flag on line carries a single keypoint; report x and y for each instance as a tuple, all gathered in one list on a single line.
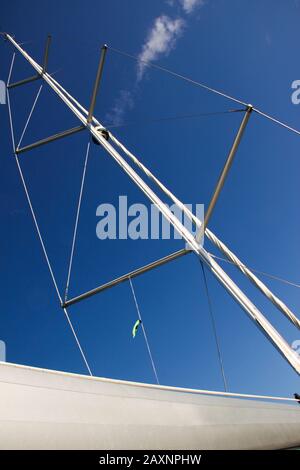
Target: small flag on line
[(135, 327)]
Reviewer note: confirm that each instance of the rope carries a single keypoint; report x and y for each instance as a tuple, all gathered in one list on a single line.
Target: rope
[(178, 75), (30, 114), (144, 331), (263, 273), (210, 309), (39, 232), (172, 118), (77, 220)]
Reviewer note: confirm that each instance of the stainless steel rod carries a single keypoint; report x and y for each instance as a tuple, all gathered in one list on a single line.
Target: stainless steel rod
[(125, 277), (97, 82), (52, 138), (46, 54), (224, 172), (24, 81), (252, 311)]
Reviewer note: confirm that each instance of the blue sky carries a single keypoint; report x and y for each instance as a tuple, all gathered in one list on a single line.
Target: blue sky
[(245, 48)]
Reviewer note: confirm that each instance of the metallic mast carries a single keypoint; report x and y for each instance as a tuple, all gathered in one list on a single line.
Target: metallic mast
[(100, 135)]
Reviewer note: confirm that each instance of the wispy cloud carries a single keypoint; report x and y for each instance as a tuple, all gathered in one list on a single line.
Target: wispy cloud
[(268, 39), (190, 5), (160, 41), (123, 102)]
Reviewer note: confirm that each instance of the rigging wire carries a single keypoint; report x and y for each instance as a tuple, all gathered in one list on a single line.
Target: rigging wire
[(30, 114), (271, 118), (78, 104), (30, 41), (112, 126), (213, 322), (11, 68), (263, 273), (144, 331), (178, 75), (172, 118), (77, 219), (194, 82), (38, 229), (202, 85), (195, 115), (213, 90), (161, 186)]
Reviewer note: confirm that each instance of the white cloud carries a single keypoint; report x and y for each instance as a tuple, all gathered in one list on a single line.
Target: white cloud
[(160, 41), (122, 103), (190, 5)]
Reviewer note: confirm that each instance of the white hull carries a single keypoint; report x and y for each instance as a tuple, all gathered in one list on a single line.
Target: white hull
[(43, 409)]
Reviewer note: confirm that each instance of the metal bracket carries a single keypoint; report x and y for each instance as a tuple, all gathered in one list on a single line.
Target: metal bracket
[(251, 310), (38, 76), (52, 138), (224, 172), (46, 54), (97, 82), (22, 82), (125, 277)]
